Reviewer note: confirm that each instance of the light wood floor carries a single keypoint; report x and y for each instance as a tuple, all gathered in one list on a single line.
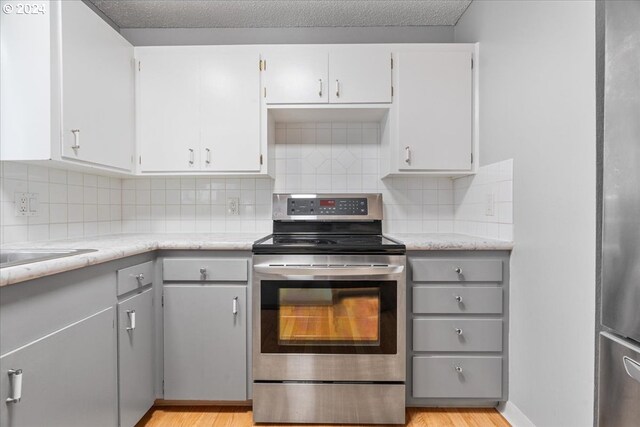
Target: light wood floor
[(232, 416)]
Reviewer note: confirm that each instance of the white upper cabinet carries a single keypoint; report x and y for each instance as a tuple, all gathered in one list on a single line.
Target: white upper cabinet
[(431, 126), (168, 110), (199, 110), (297, 76), (230, 112), (320, 75), (98, 90), (361, 75), (67, 88)]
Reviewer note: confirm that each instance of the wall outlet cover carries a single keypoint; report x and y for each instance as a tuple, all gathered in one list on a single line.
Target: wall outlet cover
[(26, 204), (233, 206), (490, 209)]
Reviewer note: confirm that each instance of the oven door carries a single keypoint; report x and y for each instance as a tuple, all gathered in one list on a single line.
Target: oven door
[(329, 318)]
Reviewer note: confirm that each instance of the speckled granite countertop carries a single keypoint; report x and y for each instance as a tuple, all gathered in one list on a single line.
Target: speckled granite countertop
[(112, 247)]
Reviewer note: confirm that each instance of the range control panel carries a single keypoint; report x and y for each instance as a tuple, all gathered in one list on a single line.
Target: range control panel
[(337, 206)]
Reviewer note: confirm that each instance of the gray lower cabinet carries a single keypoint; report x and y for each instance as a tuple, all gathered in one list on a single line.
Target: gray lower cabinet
[(205, 342), (68, 377), (457, 328), (135, 357)]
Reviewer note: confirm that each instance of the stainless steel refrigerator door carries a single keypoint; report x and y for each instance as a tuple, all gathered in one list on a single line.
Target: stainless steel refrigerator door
[(621, 238), (619, 390)]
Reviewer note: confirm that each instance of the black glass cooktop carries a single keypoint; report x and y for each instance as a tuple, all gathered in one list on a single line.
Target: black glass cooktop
[(339, 243)]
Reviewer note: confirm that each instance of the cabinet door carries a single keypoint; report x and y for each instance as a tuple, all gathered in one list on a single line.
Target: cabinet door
[(434, 110), (97, 90), (230, 112), (361, 75), (68, 377), (135, 357), (205, 354), (169, 110), (297, 76)]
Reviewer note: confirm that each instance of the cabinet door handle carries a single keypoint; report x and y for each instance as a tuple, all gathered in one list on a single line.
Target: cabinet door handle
[(132, 320), (337, 88), (140, 278), (320, 92), (632, 367), (234, 308), (208, 159), (76, 140), (458, 299), (191, 156), (459, 369), (458, 331), (407, 155), (203, 273), (458, 270), (15, 380)]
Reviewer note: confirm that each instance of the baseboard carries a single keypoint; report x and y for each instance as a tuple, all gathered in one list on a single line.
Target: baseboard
[(163, 402), (514, 415)]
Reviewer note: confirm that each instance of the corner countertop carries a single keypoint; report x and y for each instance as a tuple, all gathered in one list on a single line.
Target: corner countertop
[(112, 247)]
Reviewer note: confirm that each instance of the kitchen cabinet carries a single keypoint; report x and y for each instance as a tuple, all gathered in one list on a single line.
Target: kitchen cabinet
[(320, 74), (68, 377), (457, 328), (135, 357), (431, 127), (199, 110), (205, 338), (67, 90)]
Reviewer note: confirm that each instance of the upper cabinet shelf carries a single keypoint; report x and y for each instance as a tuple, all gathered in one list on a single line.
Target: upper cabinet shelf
[(320, 75)]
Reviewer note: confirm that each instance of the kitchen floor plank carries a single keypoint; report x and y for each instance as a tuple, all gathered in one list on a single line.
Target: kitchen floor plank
[(241, 416)]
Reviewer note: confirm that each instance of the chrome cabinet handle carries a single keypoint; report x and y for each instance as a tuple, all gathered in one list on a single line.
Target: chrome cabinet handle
[(203, 273), (320, 92), (632, 367), (140, 277), (208, 159), (458, 331), (15, 380), (338, 88), (458, 270), (328, 270), (132, 320), (458, 299), (234, 308), (459, 369), (76, 140), (407, 155), (191, 156)]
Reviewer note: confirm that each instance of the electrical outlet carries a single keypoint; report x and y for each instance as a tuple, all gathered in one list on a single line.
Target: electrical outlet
[(490, 209), (233, 206), (26, 204)]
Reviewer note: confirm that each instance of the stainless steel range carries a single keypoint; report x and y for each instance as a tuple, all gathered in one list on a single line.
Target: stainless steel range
[(328, 313)]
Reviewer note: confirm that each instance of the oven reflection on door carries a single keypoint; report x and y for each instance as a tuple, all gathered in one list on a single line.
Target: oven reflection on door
[(338, 316)]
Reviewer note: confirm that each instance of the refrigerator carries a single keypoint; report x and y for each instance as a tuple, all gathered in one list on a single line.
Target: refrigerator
[(619, 343)]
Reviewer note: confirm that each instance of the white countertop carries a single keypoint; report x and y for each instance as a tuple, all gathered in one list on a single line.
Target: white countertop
[(112, 247)]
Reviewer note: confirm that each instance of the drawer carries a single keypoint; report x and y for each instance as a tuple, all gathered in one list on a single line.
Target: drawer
[(456, 300), (457, 335), (456, 270), (134, 277), (457, 377), (205, 269)]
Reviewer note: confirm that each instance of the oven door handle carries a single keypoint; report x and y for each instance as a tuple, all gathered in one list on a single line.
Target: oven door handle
[(345, 271)]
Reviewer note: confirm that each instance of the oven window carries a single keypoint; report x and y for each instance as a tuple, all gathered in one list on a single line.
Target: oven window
[(328, 317)]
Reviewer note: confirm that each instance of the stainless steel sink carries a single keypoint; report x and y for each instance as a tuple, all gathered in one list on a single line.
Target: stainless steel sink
[(11, 257)]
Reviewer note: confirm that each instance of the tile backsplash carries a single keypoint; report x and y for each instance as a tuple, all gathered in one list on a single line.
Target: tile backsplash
[(71, 204), (310, 157)]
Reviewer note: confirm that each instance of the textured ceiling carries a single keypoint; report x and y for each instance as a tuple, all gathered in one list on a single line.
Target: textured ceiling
[(279, 13)]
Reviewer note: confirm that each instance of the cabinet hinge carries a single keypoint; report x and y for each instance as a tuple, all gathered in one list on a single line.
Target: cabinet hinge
[(162, 300), (471, 158), (140, 160), (139, 66), (471, 63), (392, 63), (260, 158), (391, 90), (163, 387), (260, 65), (265, 92), (132, 159)]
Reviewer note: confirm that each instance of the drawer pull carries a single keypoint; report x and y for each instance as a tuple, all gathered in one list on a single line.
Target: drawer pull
[(140, 278), (459, 369), (15, 378), (458, 270), (458, 299), (203, 273), (458, 331), (632, 367), (234, 308)]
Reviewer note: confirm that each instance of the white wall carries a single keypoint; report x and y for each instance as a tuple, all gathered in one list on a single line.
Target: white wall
[(537, 106)]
